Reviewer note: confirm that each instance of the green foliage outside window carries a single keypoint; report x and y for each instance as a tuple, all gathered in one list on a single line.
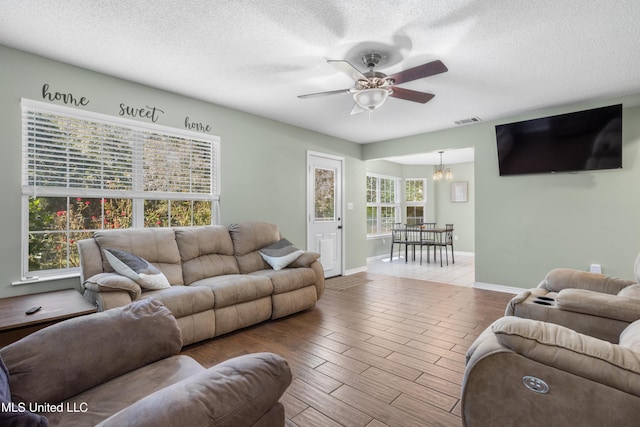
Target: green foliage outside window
[(57, 223)]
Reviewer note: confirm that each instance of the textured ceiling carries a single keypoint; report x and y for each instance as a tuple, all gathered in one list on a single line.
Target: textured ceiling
[(504, 56)]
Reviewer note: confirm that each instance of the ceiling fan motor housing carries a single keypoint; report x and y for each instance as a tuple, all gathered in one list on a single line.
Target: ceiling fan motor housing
[(370, 60)]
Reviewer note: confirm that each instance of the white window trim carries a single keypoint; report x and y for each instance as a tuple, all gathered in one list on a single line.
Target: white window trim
[(134, 126), (414, 203), (396, 204)]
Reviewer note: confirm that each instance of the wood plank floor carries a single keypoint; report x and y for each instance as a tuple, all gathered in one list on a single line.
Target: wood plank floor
[(389, 352)]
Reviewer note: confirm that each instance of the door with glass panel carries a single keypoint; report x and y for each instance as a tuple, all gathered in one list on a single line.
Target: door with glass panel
[(324, 207)]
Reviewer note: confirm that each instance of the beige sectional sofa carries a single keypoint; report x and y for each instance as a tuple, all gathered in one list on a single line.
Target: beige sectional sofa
[(121, 368), (218, 280)]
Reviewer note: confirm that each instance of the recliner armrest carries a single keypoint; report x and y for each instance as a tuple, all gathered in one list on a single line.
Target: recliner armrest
[(565, 349), (237, 392), (599, 304), (112, 282), (567, 278)]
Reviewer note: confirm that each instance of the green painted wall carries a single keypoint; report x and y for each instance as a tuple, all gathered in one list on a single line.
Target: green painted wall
[(461, 215), (523, 225), (263, 161), (526, 225)]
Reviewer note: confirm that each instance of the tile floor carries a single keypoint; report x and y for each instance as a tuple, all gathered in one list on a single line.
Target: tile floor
[(461, 273)]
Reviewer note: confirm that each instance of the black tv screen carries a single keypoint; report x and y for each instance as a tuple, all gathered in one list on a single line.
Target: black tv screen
[(584, 140)]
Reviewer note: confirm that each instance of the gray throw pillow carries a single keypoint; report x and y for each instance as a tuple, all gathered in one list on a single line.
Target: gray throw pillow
[(280, 254), (137, 269)]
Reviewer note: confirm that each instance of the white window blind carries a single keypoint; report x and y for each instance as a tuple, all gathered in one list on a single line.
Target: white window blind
[(66, 150)]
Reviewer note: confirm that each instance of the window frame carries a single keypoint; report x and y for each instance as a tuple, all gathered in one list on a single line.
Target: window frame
[(138, 135), (378, 204), (414, 203)]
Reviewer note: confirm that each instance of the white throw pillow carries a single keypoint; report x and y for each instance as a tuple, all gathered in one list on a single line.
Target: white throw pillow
[(137, 269), (280, 254)]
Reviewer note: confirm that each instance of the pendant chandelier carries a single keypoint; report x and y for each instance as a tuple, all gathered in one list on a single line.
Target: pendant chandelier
[(441, 172)]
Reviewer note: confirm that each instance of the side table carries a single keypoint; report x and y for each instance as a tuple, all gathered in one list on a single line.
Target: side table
[(56, 307)]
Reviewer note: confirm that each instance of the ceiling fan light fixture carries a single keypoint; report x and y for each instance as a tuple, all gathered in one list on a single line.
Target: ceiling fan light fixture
[(370, 99)]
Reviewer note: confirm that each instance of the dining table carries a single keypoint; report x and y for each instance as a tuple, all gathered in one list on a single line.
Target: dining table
[(425, 236)]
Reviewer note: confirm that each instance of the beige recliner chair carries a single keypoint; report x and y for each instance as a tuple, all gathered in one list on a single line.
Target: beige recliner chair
[(121, 367), (589, 303), (523, 372)]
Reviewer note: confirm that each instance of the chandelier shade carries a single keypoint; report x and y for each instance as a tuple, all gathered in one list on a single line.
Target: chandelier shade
[(370, 99), (441, 172)]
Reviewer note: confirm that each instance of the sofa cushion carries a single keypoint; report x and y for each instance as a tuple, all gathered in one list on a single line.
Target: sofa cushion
[(156, 245), (183, 300), (13, 414), (206, 252), (136, 268), (288, 279), (248, 238), (232, 289), (51, 364), (251, 236), (280, 254), (104, 400)]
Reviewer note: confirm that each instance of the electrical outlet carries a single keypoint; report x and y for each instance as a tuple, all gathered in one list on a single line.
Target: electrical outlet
[(455, 237), (595, 268)]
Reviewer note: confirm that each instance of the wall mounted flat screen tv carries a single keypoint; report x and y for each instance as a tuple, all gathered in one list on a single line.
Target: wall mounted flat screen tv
[(580, 141)]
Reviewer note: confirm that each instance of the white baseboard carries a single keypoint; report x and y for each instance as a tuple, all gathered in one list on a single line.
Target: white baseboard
[(498, 288), (355, 270)]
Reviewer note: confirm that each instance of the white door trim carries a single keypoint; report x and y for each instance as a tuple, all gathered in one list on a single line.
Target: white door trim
[(341, 208)]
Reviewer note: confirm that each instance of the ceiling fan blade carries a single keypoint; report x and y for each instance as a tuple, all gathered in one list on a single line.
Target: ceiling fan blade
[(411, 95), (347, 68), (331, 92), (356, 109), (424, 70)]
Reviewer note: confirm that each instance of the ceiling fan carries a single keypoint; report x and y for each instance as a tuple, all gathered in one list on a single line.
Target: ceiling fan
[(372, 88)]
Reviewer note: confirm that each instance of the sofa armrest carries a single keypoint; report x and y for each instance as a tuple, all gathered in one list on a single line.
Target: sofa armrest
[(598, 304), (305, 260), (90, 258), (113, 282), (567, 350), (235, 393), (565, 278), (518, 299)]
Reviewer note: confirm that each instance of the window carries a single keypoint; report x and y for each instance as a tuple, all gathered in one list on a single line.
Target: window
[(84, 171), (382, 204), (415, 200)]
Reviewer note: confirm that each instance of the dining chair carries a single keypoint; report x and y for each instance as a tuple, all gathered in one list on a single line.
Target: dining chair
[(429, 239), (446, 241), (449, 240), (398, 236), (413, 239)]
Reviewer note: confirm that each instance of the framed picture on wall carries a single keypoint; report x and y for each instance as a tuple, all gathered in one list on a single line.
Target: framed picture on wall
[(459, 192)]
